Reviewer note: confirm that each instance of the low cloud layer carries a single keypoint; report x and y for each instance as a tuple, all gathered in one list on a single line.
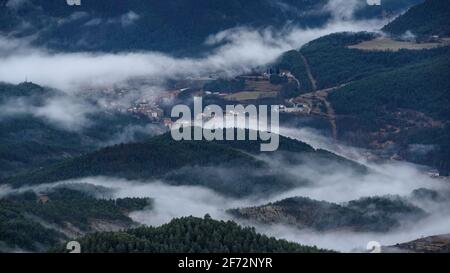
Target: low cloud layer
[(344, 9), (333, 185), (141, 75), (241, 50), (65, 112)]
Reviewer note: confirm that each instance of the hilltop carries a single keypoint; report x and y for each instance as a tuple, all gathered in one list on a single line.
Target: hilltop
[(189, 235), (32, 136), (193, 163), (427, 19)]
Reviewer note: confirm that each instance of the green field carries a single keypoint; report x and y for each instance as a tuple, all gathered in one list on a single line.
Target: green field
[(246, 95)]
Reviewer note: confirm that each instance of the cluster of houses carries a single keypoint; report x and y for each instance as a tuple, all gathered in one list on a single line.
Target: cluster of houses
[(149, 110), (302, 108)]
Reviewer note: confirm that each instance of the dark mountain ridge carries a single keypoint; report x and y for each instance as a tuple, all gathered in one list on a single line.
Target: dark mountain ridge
[(189, 235), (178, 26), (391, 100), (192, 163), (429, 18), (373, 214)]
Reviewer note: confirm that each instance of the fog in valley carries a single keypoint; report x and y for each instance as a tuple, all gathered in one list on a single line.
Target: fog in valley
[(328, 183), (239, 50)]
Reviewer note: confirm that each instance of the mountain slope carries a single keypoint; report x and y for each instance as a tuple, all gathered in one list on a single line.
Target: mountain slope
[(413, 98), (333, 63), (430, 244), (423, 87), (189, 235), (30, 139), (429, 18), (175, 26), (393, 101), (375, 214), (32, 221), (193, 163), (178, 26)]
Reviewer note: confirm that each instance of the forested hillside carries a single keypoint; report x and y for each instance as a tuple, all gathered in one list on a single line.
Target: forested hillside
[(430, 244), (191, 163), (178, 26), (381, 98), (374, 214), (423, 87), (429, 18), (399, 98), (188, 235), (332, 63), (32, 221), (175, 26), (29, 140)]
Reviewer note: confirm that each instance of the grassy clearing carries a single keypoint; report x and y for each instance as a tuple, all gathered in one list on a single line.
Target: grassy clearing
[(246, 95), (383, 44)]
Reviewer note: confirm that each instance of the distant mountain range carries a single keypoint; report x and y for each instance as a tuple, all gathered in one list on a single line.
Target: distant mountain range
[(178, 26)]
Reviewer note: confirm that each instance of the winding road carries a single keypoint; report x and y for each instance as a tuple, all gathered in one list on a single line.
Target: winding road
[(321, 95)]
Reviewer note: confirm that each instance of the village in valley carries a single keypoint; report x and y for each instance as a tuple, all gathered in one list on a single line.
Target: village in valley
[(271, 87), (264, 86)]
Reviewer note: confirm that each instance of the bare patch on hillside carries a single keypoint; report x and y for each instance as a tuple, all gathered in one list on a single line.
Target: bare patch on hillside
[(388, 44)]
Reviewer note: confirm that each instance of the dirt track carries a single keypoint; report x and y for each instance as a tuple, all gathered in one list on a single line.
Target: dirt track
[(320, 95), (310, 75)]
